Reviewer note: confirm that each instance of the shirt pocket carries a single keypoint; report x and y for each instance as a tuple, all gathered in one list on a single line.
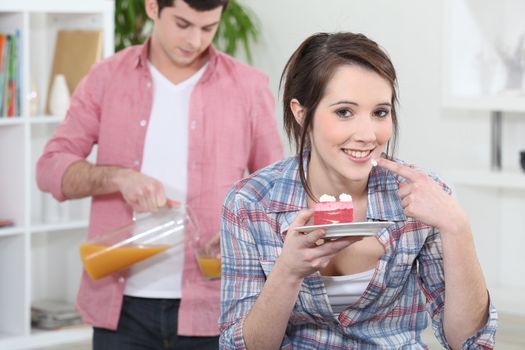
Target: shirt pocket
[(398, 271), (304, 308)]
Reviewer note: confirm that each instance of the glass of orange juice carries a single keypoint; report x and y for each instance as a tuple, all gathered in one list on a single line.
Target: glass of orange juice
[(145, 237), (208, 259)]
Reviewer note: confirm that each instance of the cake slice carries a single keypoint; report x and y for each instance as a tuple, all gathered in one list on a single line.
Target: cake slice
[(329, 211)]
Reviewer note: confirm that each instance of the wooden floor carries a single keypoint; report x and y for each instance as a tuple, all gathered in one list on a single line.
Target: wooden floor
[(510, 336)]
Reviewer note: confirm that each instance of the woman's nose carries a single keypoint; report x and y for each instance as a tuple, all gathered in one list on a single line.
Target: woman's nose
[(364, 130)]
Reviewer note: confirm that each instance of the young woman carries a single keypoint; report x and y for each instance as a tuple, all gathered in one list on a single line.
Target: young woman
[(285, 289)]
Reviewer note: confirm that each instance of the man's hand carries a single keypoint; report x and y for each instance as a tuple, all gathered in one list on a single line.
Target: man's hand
[(141, 192), (213, 246)]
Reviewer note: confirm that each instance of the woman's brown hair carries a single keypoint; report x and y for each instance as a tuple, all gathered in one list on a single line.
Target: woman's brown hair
[(308, 72)]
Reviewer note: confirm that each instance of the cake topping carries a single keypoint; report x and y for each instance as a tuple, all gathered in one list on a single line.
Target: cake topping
[(327, 198), (343, 197)]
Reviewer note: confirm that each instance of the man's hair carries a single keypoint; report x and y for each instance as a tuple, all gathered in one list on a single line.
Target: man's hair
[(199, 5)]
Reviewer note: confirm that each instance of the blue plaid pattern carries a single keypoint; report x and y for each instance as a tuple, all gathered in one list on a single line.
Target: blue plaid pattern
[(407, 286)]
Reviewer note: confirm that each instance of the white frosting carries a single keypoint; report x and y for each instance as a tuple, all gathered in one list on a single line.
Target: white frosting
[(343, 197), (327, 198)]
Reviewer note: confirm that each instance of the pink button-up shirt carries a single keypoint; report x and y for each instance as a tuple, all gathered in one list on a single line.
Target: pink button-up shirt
[(231, 129)]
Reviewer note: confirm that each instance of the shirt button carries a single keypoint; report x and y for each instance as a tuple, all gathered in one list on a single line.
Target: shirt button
[(193, 124), (121, 280), (143, 122), (148, 84), (136, 162)]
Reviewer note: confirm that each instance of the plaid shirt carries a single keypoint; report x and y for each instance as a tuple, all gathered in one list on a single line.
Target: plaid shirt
[(407, 286)]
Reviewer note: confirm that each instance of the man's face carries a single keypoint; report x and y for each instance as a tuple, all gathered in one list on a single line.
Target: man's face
[(182, 33)]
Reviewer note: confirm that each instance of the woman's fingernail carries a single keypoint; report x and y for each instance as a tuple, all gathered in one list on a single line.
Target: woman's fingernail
[(373, 162)]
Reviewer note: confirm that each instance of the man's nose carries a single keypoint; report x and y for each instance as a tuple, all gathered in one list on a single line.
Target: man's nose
[(194, 38)]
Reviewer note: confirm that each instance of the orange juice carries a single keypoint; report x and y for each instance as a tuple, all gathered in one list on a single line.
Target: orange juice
[(101, 260), (210, 267)]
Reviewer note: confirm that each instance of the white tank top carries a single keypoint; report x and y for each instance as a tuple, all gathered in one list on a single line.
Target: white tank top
[(343, 291)]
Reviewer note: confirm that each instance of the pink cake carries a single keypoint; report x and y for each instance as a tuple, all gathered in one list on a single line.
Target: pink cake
[(328, 211)]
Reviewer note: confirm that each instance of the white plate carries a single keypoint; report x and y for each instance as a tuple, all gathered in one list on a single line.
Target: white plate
[(369, 228)]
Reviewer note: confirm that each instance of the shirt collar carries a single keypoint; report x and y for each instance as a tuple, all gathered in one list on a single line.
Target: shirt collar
[(384, 203), (288, 194), (143, 54)]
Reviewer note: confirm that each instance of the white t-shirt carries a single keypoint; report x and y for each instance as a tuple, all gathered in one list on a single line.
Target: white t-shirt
[(165, 158)]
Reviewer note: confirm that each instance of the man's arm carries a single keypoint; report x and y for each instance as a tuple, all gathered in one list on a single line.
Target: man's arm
[(141, 192)]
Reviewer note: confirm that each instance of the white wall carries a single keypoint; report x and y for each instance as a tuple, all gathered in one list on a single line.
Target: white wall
[(411, 32), (438, 139)]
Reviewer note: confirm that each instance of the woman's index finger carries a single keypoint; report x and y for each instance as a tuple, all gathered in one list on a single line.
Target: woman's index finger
[(405, 171)]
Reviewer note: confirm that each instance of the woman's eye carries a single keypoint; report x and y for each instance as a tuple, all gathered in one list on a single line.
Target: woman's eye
[(382, 113), (344, 113)]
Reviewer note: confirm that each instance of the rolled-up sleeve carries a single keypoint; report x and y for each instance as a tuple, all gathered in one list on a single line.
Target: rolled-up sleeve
[(432, 277), (75, 136)]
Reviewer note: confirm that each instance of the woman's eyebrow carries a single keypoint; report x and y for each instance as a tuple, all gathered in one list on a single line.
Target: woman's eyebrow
[(344, 102), (348, 102)]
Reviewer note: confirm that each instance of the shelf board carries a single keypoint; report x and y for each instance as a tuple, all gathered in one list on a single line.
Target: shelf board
[(11, 231), (40, 338), (59, 226), (45, 119), (489, 179), (33, 120), (59, 6), (487, 103), (11, 121)]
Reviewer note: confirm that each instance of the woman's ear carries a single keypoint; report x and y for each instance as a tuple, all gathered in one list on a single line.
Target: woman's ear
[(298, 111)]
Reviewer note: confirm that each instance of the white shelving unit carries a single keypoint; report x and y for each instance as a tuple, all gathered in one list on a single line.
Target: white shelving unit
[(38, 256), (479, 38), (488, 179)]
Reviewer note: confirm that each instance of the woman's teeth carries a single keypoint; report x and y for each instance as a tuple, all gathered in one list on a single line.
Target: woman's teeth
[(357, 154)]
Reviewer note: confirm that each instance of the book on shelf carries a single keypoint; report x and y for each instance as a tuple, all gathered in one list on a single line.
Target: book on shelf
[(75, 52), (53, 314), (10, 74), (6, 223)]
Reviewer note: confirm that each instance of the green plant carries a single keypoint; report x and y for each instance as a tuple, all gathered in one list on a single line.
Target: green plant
[(239, 27)]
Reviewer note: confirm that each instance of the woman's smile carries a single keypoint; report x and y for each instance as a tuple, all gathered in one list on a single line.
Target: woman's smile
[(358, 156)]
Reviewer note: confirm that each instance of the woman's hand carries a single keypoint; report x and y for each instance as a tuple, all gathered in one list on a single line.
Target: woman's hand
[(304, 254), (424, 200)]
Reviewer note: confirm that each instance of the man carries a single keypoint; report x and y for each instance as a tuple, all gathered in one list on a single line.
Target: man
[(174, 121)]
